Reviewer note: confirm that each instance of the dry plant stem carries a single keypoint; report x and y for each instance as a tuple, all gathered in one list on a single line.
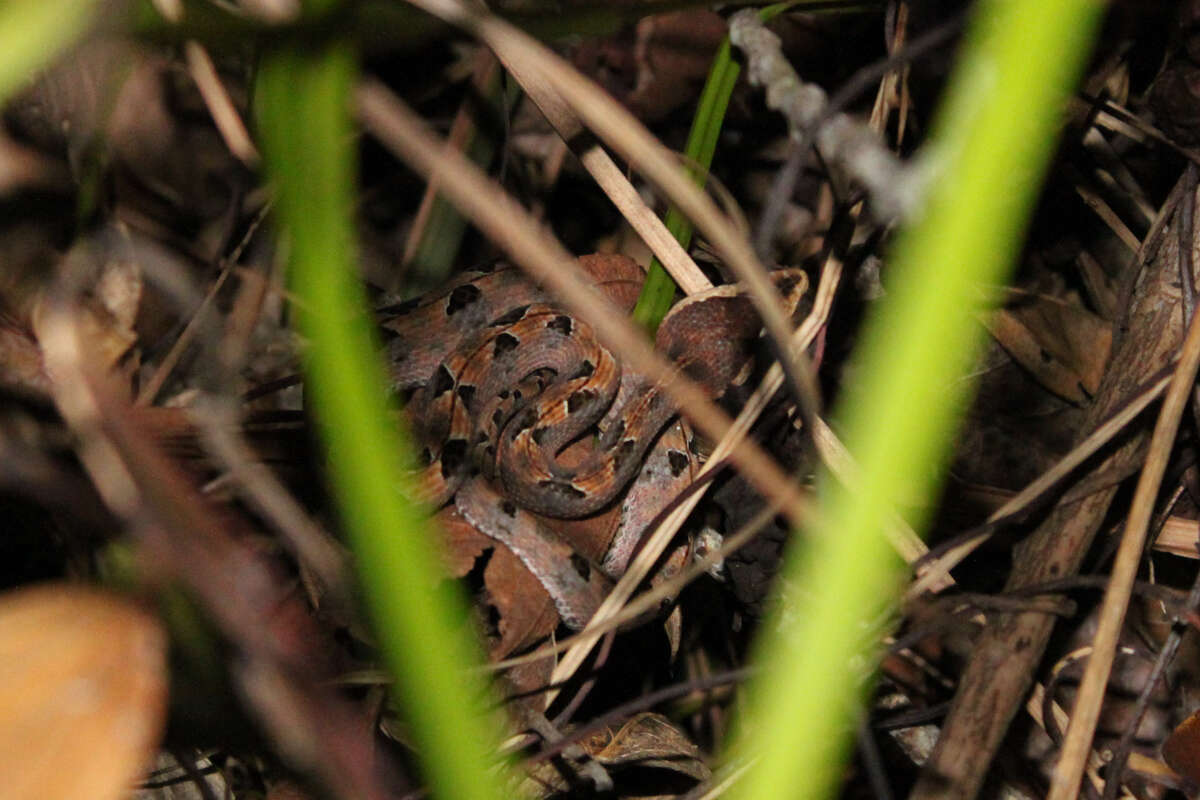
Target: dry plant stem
[(217, 421), (220, 106), (1116, 599), (1112, 171), (1120, 120), (1124, 748), (622, 131), (609, 177), (1101, 209), (154, 385), (1178, 537), (892, 79), (1006, 655), (539, 253), (1128, 412), (1035, 706)]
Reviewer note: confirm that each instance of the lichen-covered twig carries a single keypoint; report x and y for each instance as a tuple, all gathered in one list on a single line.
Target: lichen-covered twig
[(895, 188)]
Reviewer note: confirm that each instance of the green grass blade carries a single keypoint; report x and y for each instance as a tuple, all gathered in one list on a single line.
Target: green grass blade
[(303, 99), (659, 289), (33, 33), (993, 139)]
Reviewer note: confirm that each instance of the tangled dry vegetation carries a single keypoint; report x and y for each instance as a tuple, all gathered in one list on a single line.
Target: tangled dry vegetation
[(156, 435)]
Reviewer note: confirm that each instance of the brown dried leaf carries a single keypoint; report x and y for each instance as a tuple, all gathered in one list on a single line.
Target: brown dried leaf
[(526, 612), (648, 740), (1064, 346), (20, 357), (662, 68), (83, 695), (1182, 749), (673, 53)]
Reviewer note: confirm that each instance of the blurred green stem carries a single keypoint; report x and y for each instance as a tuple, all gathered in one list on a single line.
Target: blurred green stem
[(303, 97), (992, 141)]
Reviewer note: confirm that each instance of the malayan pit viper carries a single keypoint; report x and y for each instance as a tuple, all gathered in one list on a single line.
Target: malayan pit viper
[(504, 389)]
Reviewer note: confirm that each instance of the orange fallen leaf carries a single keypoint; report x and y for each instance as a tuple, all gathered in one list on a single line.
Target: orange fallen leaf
[(82, 692)]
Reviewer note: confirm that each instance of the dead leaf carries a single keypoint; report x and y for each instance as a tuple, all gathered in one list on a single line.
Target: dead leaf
[(663, 66), (83, 694), (525, 612), (1181, 751), (21, 358), (673, 54), (649, 740), (1064, 346)]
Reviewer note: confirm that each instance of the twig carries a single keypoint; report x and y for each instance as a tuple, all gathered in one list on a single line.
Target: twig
[(220, 107), (1116, 599), (896, 190), (1165, 656)]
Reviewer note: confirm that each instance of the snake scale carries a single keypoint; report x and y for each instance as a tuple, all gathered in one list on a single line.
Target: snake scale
[(504, 389)]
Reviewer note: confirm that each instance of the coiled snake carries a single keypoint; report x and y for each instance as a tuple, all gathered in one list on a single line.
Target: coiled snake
[(505, 388)]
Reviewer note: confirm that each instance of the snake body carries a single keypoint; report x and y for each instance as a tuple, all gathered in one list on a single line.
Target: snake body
[(505, 385)]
